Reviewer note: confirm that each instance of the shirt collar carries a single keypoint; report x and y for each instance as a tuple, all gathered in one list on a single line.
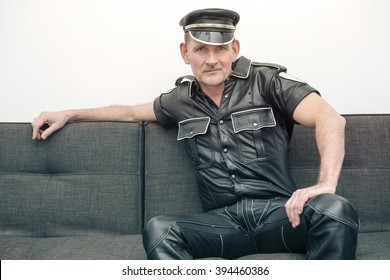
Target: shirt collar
[(241, 68)]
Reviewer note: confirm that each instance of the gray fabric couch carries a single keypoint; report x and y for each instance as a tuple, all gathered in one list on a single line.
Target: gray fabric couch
[(87, 191)]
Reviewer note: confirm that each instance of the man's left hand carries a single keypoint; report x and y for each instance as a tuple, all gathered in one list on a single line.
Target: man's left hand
[(294, 206)]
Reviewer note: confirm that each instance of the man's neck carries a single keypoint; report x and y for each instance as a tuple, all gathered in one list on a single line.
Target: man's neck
[(214, 93)]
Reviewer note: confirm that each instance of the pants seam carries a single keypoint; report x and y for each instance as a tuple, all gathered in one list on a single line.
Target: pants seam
[(284, 241), (222, 248)]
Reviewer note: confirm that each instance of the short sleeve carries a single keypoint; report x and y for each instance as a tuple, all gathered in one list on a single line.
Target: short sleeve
[(162, 108), (286, 92)]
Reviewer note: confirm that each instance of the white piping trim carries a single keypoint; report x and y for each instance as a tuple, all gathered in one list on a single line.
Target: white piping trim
[(209, 43), (189, 120), (209, 25)]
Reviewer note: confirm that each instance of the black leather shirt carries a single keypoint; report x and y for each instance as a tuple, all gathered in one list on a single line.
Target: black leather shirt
[(239, 149)]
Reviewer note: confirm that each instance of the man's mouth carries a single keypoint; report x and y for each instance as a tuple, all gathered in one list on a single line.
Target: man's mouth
[(212, 70)]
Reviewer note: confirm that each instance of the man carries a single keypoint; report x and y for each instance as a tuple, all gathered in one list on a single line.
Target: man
[(236, 118)]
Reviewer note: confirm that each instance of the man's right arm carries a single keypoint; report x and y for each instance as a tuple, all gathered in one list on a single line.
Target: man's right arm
[(56, 120)]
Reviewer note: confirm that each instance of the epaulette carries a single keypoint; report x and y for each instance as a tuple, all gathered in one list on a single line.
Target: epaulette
[(272, 65), (242, 67), (282, 71)]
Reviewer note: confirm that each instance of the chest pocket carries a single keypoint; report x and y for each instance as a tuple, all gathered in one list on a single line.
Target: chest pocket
[(194, 133), (250, 135), (192, 127)]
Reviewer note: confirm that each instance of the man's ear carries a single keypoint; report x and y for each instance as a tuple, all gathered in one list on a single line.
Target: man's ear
[(184, 52), (236, 49)]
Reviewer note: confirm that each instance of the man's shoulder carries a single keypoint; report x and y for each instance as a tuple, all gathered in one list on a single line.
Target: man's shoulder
[(182, 90), (187, 79), (181, 83), (274, 66)]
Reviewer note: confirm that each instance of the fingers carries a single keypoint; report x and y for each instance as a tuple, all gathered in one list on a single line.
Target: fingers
[(43, 126), (296, 203), (48, 131), (36, 124), (294, 207)]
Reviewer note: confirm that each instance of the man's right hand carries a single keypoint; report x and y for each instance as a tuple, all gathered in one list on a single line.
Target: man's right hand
[(54, 121)]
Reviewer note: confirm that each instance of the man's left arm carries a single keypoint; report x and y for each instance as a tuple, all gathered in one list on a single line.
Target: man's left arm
[(315, 112)]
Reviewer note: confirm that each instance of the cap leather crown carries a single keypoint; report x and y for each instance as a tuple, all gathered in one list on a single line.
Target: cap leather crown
[(211, 26)]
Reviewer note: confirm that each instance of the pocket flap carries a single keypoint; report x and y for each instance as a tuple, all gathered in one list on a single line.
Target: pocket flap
[(192, 127), (253, 119)]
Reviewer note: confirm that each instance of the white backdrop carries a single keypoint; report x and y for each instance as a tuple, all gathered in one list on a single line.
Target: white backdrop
[(62, 54)]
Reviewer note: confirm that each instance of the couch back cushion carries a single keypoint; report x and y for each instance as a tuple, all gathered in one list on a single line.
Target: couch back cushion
[(365, 178), (170, 182), (83, 179)]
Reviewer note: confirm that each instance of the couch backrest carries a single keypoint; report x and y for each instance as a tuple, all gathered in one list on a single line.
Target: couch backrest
[(365, 178), (84, 179), (111, 177)]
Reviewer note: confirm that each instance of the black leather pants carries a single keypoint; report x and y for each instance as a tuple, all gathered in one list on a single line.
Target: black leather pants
[(328, 230)]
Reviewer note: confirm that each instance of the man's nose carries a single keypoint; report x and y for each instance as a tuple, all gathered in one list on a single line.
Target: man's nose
[(211, 58)]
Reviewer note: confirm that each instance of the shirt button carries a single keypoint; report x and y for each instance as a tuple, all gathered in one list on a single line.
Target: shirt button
[(226, 95), (191, 132), (225, 150), (233, 176), (255, 124), (221, 122)]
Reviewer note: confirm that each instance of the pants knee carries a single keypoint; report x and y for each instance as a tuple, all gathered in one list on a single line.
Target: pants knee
[(337, 208), (156, 229)]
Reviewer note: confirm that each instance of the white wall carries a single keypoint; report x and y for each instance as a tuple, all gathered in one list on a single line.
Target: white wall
[(60, 54)]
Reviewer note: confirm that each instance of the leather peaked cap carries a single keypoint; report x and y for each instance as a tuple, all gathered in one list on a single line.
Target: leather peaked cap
[(211, 26)]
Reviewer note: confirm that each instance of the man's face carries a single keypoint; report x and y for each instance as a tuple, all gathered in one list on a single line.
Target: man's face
[(211, 65)]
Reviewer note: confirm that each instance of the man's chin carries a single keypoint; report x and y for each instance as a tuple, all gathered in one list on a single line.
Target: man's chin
[(214, 80)]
